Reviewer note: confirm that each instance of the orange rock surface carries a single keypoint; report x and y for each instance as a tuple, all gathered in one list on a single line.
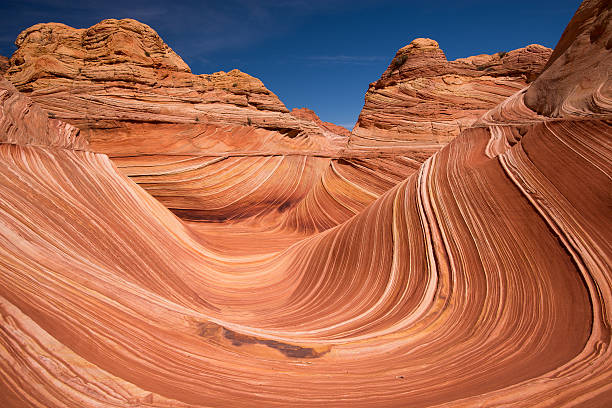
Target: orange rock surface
[(120, 71), (424, 99), (578, 80), (173, 132), (4, 62), (308, 114), (480, 276)]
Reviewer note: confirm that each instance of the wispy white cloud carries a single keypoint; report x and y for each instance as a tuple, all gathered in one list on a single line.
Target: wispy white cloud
[(195, 27)]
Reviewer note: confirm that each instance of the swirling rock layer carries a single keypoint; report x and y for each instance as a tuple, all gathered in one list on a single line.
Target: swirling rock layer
[(479, 278), (22, 122), (134, 99), (578, 79), (424, 99), (120, 71)]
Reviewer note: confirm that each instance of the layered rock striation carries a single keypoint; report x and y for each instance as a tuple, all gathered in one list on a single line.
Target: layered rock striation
[(424, 99), (305, 113), (23, 122), (4, 63), (480, 278), (118, 72), (174, 132)]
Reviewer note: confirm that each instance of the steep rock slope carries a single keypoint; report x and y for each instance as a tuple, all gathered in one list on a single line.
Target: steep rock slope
[(424, 99), (578, 80), (483, 279), (121, 71), (193, 141)]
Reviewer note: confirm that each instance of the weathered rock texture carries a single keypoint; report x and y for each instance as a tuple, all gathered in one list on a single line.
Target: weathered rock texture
[(137, 101), (23, 122), (580, 70), (4, 63), (305, 113), (423, 99), (481, 279), (120, 71)]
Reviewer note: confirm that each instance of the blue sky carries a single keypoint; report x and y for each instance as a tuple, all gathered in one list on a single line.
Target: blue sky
[(316, 54)]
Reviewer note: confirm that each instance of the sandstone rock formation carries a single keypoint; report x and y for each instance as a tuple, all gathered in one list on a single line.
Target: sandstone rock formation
[(4, 62), (23, 122), (120, 71), (137, 101), (423, 99), (305, 113), (193, 140), (580, 70), (482, 278)]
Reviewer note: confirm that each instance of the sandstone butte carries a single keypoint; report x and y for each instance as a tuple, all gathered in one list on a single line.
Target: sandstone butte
[(192, 140), (478, 275), (119, 73), (424, 99)]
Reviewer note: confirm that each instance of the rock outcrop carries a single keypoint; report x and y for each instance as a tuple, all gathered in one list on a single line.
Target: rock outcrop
[(4, 63), (578, 76), (424, 99), (480, 278), (308, 114), (23, 122), (136, 100), (118, 72)]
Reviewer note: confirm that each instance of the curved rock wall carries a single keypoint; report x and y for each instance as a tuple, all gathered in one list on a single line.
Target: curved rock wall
[(23, 122), (134, 99), (480, 278), (577, 79)]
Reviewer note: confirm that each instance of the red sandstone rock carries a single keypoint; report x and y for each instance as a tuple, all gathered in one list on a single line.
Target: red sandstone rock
[(4, 63), (576, 82), (423, 99), (305, 113), (23, 122), (120, 71), (481, 279), (136, 100), (577, 79)]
